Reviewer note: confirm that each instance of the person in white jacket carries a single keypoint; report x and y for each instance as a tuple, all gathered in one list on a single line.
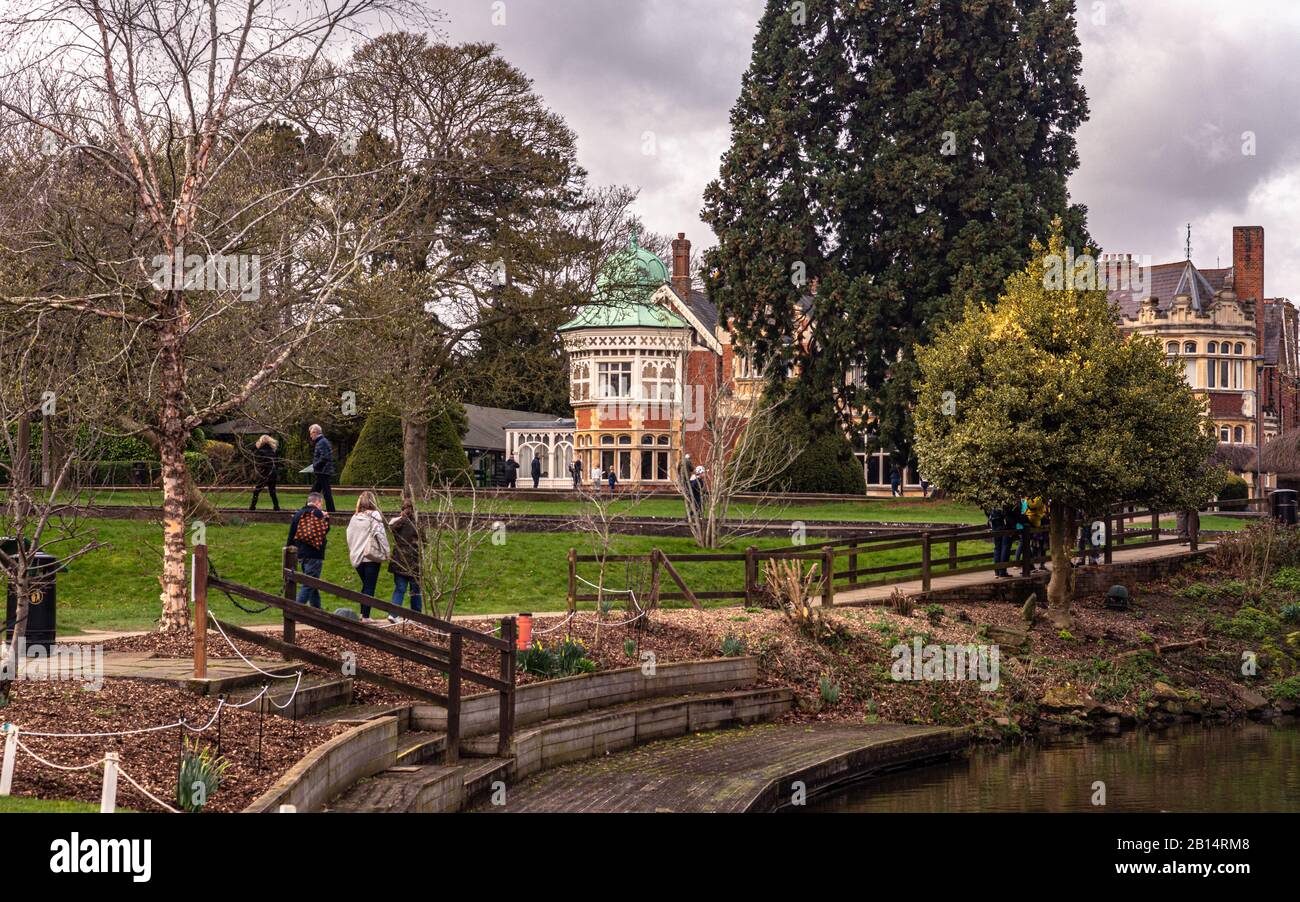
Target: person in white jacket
[(367, 545)]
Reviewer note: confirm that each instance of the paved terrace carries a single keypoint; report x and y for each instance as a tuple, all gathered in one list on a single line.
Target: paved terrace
[(738, 770)]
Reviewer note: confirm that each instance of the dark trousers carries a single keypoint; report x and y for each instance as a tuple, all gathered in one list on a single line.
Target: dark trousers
[(269, 485), (308, 594), (1001, 552), (536, 480), (321, 483), (369, 573)]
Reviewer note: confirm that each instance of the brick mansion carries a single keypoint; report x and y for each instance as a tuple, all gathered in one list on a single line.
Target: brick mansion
[(641, 366)]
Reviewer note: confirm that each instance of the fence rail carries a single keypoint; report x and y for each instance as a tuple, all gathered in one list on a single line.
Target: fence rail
[(448, 661), (940, 552)]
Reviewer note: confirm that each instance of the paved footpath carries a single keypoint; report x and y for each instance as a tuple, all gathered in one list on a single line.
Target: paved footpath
[(745, 769), (881, 594)]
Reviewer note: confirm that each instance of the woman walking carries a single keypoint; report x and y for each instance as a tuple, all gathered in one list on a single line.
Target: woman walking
[(367, 544), (264, 465), (405, 562)]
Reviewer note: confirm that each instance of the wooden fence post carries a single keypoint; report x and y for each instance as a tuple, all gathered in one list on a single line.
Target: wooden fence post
[(828, 577), (751, 575), (199, 589), (108, 791), (952, 553), (654, 580), (1194, 527), (1155, 525), (573, 580), (506, 713), (925, 562), (853, 564), (1108, 537), (290, 563), (453, 700), (1119, 526)]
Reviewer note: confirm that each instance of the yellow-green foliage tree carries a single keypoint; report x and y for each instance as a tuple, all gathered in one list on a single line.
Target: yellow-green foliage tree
[(1039, 394)]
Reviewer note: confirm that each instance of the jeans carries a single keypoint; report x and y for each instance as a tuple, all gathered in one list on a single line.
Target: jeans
[(400, 582), (308, 594), (369, 573)]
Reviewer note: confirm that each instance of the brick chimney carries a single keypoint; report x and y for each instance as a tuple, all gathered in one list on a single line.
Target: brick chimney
[(681, 265), (1248, 273)]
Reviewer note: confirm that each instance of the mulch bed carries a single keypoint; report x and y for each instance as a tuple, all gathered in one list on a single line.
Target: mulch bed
[(150, 758)]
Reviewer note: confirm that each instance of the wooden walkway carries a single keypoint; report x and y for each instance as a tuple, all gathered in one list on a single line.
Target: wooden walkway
[(880, 594), (223, 673), (739, 770)]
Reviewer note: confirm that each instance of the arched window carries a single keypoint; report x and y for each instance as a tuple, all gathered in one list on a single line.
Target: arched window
[(1239, 435), (1189, 347), (1213, 348), (1223, 434), (663, 440), (1171, 347), (1239, 348), (625, 439), (607, 439), (647, 439)]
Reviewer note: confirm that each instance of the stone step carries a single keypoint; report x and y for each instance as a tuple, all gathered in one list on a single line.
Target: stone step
[(419, 748), (316, 693), (423, 788), (596, 733)]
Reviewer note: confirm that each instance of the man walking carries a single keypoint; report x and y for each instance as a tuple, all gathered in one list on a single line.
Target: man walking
[(895, 480), (1001, 544), (576, 471), (535, 469), (322, 465), (512, 472), (307, 533)]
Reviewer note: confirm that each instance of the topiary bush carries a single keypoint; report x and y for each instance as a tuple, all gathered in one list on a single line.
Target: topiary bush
[(1234, 489), (377, 457)]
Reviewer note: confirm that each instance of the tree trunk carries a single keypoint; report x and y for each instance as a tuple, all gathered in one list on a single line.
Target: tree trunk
[(1060, 591), (176, 481), (415, 456)]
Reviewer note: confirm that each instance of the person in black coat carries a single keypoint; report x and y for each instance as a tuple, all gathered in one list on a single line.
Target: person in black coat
[(322, 465), (405, 561), (307, 533), (576, 472), (535, 469), (512, 472), (265, 463)]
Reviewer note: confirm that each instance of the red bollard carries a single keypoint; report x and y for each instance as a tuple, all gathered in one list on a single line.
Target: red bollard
[(525, 637)]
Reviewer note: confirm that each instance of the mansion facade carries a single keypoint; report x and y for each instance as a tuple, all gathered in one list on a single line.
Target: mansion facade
[(646, 358), (1237, 347)]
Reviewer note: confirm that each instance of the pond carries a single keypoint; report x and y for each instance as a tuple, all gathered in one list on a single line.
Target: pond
[(1244, 767)]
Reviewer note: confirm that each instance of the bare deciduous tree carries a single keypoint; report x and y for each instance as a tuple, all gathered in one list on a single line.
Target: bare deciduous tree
[(207, 239)]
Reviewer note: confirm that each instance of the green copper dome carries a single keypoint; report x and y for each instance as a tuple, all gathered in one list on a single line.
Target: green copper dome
[(623, 290)]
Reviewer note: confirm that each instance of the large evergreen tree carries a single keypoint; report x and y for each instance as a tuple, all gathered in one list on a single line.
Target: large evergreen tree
[(902, 154)]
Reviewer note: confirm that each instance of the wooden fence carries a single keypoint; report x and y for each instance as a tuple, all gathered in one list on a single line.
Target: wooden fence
[(448, 660), (939, 552)]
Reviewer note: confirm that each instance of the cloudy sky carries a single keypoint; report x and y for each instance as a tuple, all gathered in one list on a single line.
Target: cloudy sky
[(1173, 85)]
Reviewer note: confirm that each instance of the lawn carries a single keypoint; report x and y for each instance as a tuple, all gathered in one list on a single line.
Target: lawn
[(116, 588), (24, 805), (868, 510)]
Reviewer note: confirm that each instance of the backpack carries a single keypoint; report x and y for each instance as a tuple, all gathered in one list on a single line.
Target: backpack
[(311, 530)]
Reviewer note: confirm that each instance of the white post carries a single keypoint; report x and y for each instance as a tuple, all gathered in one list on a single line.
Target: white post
[(288, 809), (11, 752), (108, 794)]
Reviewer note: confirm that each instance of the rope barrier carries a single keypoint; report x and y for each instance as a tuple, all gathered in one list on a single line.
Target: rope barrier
[(153, 798), (95, 763)]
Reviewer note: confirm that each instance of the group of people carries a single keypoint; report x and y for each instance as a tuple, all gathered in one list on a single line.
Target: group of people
[(1023, 525), (369, 548), (266, 464)]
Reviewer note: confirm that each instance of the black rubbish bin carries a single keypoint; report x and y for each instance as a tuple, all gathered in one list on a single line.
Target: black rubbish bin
[(1283, 503), (42, 598)]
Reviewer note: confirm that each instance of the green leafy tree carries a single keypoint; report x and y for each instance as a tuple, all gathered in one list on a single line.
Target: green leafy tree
[(902, 154), (1040, 395)]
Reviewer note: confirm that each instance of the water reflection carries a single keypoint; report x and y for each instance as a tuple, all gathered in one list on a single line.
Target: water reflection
[(1238, 768)]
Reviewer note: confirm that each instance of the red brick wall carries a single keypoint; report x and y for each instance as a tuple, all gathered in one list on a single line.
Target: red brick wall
[(1248, 272), (702, 376)]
